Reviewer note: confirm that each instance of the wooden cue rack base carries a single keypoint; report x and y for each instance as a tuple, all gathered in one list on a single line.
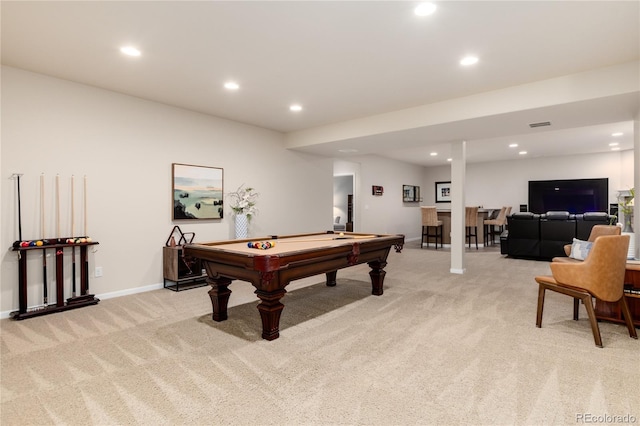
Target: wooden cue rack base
[(74, 302)]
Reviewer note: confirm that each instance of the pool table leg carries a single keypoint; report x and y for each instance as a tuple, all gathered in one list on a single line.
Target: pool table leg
[(219, 295), (270, 309), (377, 274), (331, 278)]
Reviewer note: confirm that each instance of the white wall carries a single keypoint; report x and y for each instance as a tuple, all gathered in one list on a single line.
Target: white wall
[(505, 183), (385, 214), (125, 147)]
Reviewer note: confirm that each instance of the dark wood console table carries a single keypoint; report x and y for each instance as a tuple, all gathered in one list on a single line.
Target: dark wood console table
[(75, 301), (611, 311)]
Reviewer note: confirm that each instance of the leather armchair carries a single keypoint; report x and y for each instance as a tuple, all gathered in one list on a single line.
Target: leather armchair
[(544, 236), (556, 230), (601, 275), (524, 235)]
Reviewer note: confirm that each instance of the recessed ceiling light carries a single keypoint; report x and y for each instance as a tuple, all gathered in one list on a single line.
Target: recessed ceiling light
[(425, 9), (513, 145), (130, 51), (617, 134), (540, 124), (433, 154), (231, 85), (523, 153), (468, 60), (295, 108), (347, 150), (615, 148), (614, 144), (449, 159)]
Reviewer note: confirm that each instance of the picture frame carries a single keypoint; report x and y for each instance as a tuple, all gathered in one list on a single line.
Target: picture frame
[(443, 192), (410, 194), (197, 192)]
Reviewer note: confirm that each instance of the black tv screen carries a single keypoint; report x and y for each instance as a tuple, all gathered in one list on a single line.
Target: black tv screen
[(572, 195)]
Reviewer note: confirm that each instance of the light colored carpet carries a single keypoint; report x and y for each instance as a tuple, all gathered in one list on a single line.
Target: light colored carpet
[(435, 349)]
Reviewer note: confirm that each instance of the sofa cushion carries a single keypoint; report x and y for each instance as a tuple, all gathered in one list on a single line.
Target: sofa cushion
[(596, 216), (557, 216), (525, 216), (580, 249)]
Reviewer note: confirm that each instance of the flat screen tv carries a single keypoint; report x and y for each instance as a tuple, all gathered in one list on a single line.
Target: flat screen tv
[(572, 195)]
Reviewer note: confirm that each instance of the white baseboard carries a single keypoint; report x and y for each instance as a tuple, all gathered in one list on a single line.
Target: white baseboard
[(129, 291), (104, 296), (457, 271)]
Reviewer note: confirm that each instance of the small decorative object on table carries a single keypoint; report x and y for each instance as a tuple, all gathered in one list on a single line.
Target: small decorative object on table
[(243, 204), (626, 208)]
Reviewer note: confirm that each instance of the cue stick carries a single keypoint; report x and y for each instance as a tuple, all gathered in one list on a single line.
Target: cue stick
[(73, 248), (44, 251), (85, 205), (86, 260), (19, 210), (58, 208), (355, 237)]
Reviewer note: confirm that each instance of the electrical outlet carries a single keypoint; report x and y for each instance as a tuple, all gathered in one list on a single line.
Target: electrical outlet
[(98, 272)]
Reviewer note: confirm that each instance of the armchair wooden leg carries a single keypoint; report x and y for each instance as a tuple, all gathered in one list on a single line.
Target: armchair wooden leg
[(627, 317), (541, 290), (576, 307), (588, 303)]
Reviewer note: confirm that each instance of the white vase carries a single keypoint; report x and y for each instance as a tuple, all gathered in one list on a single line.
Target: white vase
[(242, 225), (632, 244)]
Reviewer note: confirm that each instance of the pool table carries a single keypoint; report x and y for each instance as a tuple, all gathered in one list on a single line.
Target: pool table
[(293, 257)]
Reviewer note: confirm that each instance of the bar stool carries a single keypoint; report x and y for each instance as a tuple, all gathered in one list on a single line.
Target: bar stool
[(490, 224), (430, 221), (471, 224)]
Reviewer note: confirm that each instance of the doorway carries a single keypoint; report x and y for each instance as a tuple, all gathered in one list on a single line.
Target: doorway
[(343, 215)]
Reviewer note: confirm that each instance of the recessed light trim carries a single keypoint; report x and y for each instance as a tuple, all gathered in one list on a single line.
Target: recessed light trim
[(231, 85), (425, 9), (295, 108), (540, 124), (468, 60), (130, 51)]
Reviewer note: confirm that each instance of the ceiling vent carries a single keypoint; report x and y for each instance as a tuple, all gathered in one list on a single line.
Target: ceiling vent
[(541, 124)]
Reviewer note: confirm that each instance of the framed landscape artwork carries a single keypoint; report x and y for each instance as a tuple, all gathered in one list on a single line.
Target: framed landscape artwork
[(443, 192), (197, 192)]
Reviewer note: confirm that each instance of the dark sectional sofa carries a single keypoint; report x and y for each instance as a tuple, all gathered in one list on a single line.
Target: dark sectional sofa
[(543, 236)]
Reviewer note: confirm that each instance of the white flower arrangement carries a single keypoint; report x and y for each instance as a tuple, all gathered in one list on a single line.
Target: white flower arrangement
[(243, 201)]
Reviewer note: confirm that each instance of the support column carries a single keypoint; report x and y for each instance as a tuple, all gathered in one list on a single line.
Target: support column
[(458, 171), (636, 183)]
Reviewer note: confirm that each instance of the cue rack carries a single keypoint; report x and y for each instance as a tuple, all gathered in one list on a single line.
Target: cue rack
[(73, 302), (58, 245)]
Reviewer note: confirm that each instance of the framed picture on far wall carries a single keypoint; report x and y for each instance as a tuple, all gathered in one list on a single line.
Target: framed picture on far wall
[(197, 192), (443, 192)]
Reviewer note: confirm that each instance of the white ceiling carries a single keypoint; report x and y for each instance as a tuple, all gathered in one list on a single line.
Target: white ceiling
[(340, 60)]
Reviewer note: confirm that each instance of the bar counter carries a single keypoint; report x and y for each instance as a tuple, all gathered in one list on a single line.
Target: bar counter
[(445, 216)]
